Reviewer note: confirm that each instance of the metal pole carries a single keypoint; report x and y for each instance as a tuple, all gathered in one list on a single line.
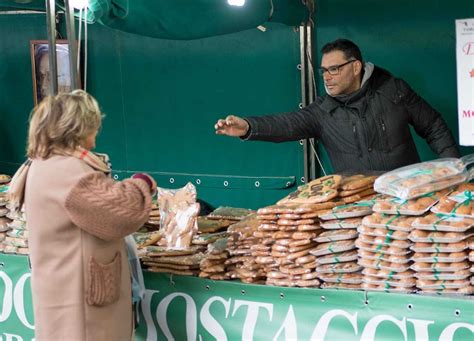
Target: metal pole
[(71, 38), (304, 101), (311, 92), (51, 25)]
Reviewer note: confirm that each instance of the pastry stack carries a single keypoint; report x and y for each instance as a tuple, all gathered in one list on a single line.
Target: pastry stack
[(384, 252), (384, 244), (153, 222), (241, 264), (287, 234), (442, 245), (180, 262), (213, 264), (336, 252)]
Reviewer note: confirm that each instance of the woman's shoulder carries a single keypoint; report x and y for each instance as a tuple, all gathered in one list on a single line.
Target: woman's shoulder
[(61, 167)]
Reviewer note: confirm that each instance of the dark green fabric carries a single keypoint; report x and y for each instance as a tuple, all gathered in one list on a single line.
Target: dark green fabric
[(183, 19)]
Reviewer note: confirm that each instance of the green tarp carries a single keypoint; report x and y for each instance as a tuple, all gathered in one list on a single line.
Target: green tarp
[(182, 19)]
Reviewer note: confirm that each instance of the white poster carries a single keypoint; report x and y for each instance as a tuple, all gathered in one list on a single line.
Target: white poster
[(465, 76)]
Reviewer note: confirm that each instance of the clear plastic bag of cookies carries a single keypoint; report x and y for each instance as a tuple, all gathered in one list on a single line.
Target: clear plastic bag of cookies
[(439, 247), (388, 274), (386, 288), (413, 207), (436, 276), (426, 284), (349, 223), (178, 215), (397, 258), (337, 235), (458, 203), (448, 292), (383, 265), (441, 267), (441, 222), (385, 241), (471, 256), (382, 232), (341, 257), (336, 268), (395, 222), (337, 286), (404, 282), (419, 179), (438, 236), (348, 211), (347, 278), (380, 249), (436, 257), (333, 247)]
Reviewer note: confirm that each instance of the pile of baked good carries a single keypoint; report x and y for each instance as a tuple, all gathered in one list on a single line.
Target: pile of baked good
[(428, 230)]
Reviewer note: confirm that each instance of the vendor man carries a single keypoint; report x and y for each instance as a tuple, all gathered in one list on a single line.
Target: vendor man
[(363, 121)]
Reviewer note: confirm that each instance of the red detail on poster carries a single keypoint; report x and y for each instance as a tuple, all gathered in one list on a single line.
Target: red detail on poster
[(468, 48), (468, 113)]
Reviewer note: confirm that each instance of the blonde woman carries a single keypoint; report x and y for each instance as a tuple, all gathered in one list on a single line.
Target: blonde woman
[(78, 218)]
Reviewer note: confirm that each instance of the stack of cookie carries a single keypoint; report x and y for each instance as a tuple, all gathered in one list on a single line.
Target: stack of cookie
[(384, 252), (384, 245), (241, 264), (287, 234), (356, 188), (153, 222), (442, 240), (230, 213), (336, 253), (213, 264), (180, 262)]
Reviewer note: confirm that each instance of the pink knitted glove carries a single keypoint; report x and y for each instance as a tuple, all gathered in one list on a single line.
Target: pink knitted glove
[(148, 179)]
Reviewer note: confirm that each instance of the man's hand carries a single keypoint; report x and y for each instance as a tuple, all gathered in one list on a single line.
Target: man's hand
[(232, 126)]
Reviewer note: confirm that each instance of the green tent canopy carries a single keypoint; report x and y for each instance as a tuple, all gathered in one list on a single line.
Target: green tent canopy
[(181, 19)]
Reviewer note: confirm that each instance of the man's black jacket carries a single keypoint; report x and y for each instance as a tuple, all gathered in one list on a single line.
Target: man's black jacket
[(368, 131)]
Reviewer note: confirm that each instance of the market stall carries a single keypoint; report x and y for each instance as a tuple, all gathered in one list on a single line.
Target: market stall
[(351, 265)]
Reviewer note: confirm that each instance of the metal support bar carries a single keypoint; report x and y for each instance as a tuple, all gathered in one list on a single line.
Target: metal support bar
[(51, 26), (311, 92), (304, 101), (71, 38)]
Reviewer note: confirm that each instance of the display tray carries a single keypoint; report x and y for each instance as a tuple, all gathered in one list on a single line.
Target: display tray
[(183, 307)]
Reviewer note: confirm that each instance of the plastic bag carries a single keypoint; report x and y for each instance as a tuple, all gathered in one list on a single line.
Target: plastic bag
[(421, 178), (178, 215), (138, 284)]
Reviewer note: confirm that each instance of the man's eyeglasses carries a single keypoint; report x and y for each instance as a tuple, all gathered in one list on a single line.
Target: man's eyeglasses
[(334, 70)]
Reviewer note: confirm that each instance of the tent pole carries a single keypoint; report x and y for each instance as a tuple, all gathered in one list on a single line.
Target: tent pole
[(51, 26), (71, 38)]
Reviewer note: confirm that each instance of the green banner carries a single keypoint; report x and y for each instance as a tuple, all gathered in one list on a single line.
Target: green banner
[(189, 308), (16, 309)]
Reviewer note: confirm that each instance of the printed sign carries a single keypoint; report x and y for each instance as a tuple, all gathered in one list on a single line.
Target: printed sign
[(465, 80), (190, 308)]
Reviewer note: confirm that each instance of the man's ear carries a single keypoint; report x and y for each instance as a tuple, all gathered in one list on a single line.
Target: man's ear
[(357, 65)]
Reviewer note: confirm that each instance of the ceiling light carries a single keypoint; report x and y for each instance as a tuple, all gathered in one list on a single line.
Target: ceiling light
[(236, 2), (79, 4)]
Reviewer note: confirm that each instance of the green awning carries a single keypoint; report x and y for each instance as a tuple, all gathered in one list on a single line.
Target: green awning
[(182, 19)]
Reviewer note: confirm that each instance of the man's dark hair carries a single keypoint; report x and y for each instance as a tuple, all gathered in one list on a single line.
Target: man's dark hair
[(350, 50)]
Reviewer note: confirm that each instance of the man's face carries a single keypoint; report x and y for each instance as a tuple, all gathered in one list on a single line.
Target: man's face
[(347, 79)]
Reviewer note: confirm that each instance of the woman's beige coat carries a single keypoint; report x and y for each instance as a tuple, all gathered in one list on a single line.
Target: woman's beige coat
[(77, 219)]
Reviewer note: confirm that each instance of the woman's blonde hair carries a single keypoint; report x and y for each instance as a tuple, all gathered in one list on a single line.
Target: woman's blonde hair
[(62, 122)]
